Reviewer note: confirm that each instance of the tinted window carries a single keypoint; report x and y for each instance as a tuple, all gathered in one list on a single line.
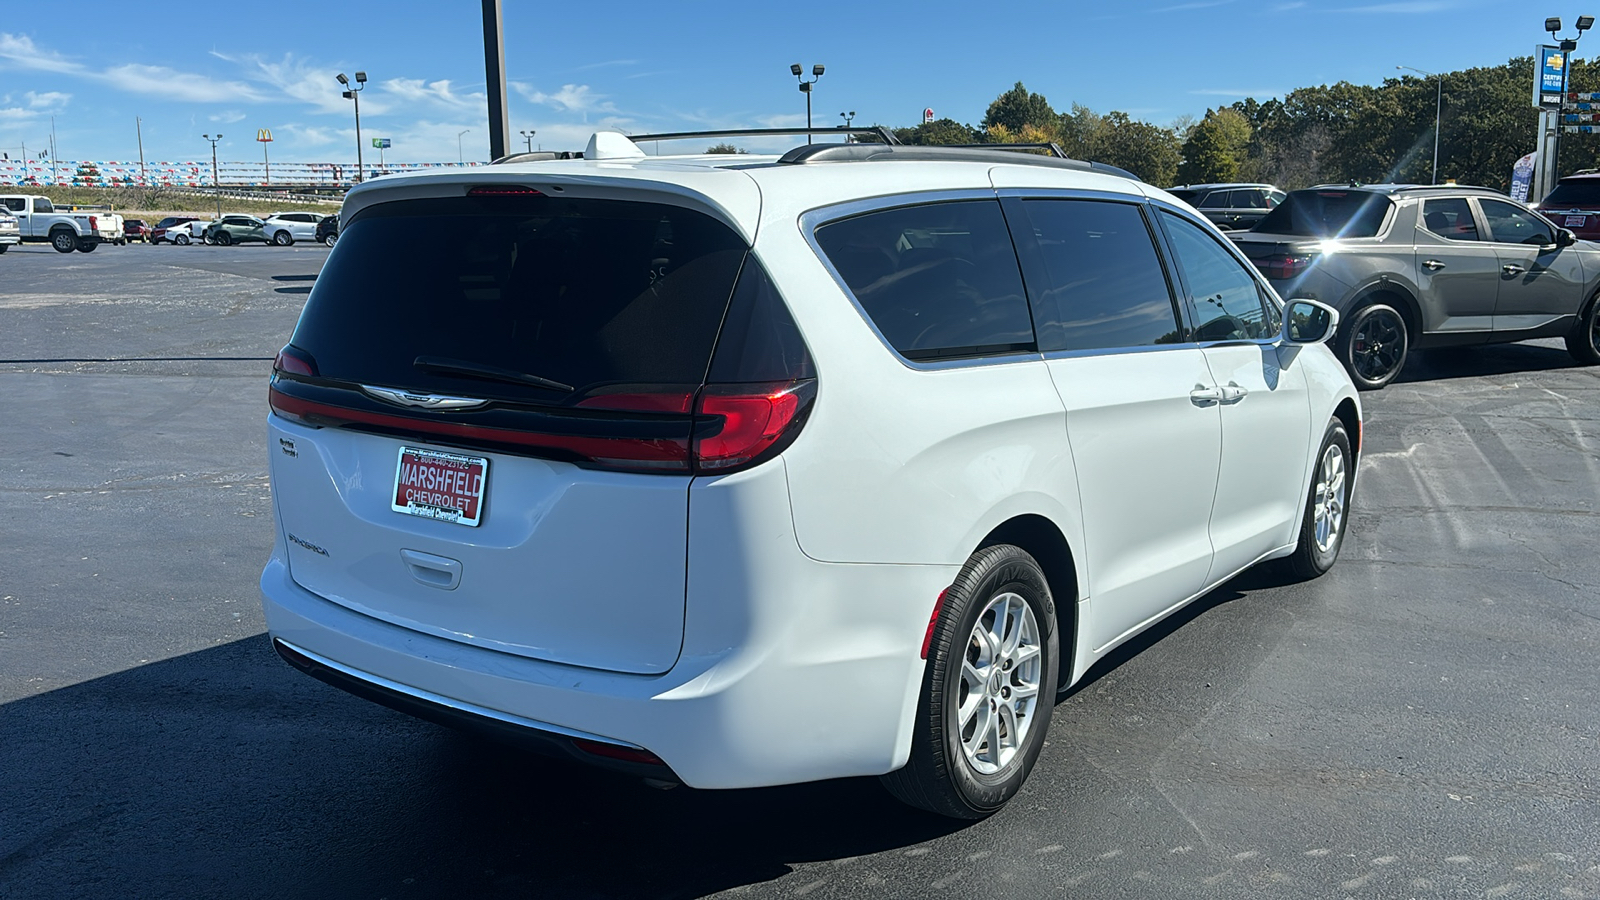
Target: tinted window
[(43, 205), (1228, 302), (938, 281), (1274, 198), (590, 293), (1450, 217), (1327, 213), (16, 203), (1100, 284), (1251, 199), (1217, 200), (1186, 196), (1577, 193), (1512, 225)]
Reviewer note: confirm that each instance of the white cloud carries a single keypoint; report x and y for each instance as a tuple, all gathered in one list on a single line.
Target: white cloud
[(160, 81), (227, 116), (297, 79), (48, 100), (608, 63), (14, 114), (18, 50), (416, 90), (575, 98)]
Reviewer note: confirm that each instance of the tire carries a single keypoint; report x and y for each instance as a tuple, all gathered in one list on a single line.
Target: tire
[(64, 241), (283, 239), (87, 246), (331, 239), (1327, 515), (961, 763), (224, 239), (4, 247), (1583, 341), (181, 240), (1374, 346)]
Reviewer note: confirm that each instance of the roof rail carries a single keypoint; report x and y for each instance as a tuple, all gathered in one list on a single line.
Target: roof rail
[(994, 153), (877, 131), (537, 156)]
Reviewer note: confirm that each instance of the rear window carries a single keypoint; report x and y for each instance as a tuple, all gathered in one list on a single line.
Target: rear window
[(584, 295), (1328, 214), (1186, 196), (1577, 193), (939, 281)]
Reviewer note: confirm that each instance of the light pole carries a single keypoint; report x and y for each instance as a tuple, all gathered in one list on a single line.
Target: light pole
[(216, 184), (528, 136), (805, 88), (1568, 45), (353, 92), (460, 159), (848, 118), (1438, 114)]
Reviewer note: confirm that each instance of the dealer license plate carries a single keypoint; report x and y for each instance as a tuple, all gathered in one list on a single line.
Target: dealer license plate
[(1576, 221), (444, 486)]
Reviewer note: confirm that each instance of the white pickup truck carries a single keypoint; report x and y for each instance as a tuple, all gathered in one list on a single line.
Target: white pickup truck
[(39, 222)]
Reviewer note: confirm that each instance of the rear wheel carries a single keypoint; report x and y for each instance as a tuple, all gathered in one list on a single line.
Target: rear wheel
[(224, 238), (1375, 345), (87, 246), (4, 247), (283, 239), (181, 239), (64, 241), (1322, 529), (331, 239), (1583, 341), (988, 688)]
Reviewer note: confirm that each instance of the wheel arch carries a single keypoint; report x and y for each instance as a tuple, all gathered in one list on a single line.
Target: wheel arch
[(1395, 295), (1043, 540), (1350, 417)]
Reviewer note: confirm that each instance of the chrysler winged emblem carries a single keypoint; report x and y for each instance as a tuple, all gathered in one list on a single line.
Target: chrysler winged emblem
[(422, 401)]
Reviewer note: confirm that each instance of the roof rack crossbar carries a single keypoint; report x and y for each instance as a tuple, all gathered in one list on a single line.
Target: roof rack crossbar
[(1052, 146), (878, 131)]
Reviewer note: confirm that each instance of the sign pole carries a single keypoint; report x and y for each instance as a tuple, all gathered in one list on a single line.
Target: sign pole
[(264, 135)]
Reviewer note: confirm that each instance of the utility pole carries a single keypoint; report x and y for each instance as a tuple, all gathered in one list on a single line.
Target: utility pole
[(138, 129), (494, 64), (216, 183), (805, 88), (353, 92), (55, 171), (264, 135)]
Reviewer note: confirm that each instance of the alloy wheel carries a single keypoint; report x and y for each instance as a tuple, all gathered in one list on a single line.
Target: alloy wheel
[(1328, 499), (999, 688), (1378, 346)]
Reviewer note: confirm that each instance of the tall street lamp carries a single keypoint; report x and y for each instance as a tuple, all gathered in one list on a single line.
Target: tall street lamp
[(216, 184), (353, 92), (848, 118), (1437, 115), (460, 159), (805, 88), (1567, 45), (528, 136)]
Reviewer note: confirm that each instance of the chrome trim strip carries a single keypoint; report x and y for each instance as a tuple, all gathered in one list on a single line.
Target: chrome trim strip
[(421, 401), (1118, 351), (457, 705)]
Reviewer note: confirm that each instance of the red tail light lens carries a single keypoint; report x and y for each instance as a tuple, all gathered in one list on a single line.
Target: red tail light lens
[(94, 223), (615, 751), (1283, 266), (503, 190), (754, 419), (295, 362)]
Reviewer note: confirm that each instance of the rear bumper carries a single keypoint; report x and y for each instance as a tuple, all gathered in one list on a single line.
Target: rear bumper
[(792, 670), (10, 238)]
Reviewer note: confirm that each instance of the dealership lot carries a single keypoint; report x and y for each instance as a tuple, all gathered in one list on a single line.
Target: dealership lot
[(1418, 723)]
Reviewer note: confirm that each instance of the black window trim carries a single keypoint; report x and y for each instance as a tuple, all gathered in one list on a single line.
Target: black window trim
[(1191, 315), (1176, 292), (814, 219)]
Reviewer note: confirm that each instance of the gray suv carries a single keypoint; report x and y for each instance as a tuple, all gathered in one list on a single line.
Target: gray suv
[(1413, 267), (1230, 206)]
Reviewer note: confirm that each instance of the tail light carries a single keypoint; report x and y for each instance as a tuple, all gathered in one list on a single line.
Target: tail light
[(750, 421), (1283, 266), (94, 223), (617, 752)]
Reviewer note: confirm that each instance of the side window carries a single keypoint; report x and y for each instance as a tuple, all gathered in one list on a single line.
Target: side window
[(1217, 200), (1449, 217), (939, 281), (1511, 225), (1274, 198), (1229, 305), (1251, 199), (15, 204), (1100, 285), (43, 205)]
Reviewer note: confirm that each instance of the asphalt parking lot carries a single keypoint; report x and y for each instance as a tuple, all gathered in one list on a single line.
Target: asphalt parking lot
[(1419, 723)]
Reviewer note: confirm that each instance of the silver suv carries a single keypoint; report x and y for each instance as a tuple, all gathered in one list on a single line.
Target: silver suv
[(1230, 206), (1414, 267)]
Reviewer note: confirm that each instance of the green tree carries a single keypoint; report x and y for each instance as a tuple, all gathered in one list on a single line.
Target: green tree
[(725, 147), (1018, 108), (1216, 148), (1150, 152), (939, 131)]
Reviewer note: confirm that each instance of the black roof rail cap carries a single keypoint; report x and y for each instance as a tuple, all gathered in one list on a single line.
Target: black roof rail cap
[(990, 153)]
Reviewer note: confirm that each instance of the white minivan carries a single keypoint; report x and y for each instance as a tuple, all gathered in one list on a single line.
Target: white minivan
[(750, 470)]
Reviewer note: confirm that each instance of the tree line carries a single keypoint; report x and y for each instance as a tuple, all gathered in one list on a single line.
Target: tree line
[(1315, 135)]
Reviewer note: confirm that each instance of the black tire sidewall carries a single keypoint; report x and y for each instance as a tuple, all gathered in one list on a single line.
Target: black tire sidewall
[(64, 241), (1581, 343), (1311, 561), (1348, 342), (1012, 570)]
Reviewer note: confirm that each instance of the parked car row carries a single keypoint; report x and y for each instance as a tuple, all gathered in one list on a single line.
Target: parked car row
[(38, 221), (281, 229), (30, 218)]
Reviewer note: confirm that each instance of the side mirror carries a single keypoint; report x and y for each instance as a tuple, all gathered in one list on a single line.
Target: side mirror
[(1565, 238), (1308, 322)]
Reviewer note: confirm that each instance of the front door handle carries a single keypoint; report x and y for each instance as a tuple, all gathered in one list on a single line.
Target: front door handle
[(1204, 396), (1232, 392), (1433, 265), (1512, 269)]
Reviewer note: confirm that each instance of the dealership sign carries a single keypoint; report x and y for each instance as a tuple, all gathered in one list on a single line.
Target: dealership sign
[(1549, 77)]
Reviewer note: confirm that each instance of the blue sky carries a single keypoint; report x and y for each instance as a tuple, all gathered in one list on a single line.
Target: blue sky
[(186, 69)]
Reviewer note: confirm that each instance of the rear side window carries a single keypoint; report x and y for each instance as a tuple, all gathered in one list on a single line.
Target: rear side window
[(1097, 282), (586, 294), (1229, 305), (1217, 200), (939, 281), (1328, 214), (1450, 217)]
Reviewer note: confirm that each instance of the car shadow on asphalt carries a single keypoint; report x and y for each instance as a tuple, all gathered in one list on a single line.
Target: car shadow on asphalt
[(226, 773), (298, 289), (1479, 360)]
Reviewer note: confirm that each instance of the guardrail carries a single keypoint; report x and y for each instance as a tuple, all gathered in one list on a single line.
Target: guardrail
[(197, 174)]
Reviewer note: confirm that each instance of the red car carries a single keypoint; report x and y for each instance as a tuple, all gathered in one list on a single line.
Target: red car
[(135, 230), (159, 233), (1575, 205)]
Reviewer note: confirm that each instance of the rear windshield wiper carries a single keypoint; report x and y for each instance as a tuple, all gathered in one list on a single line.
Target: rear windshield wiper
[(492, 373)]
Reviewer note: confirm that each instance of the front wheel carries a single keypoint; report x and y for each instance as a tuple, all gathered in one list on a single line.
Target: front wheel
[(1583, 341), (64, 241), (181, 240), (224, 239), (283, 239), (331, 239), (1375, 344), (987, 691), (1322, 528)]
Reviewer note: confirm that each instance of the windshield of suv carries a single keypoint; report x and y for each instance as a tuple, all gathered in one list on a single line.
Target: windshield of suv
[(1327, 214), (578, 292), (1574, 194)]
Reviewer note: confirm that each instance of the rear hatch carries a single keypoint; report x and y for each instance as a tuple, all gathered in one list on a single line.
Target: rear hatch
[(1290, 240), (489, 416), (1575, 205)]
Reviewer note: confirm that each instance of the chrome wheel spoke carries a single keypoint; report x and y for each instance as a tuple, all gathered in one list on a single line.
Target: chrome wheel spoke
[(999, 683)]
